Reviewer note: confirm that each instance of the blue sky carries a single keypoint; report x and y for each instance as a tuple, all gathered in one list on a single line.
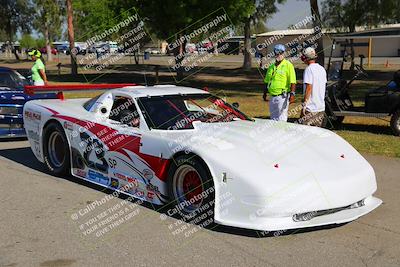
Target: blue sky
[(289, 13)]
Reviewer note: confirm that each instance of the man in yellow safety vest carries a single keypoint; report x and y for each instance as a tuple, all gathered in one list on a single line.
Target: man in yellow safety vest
[(281, 84)]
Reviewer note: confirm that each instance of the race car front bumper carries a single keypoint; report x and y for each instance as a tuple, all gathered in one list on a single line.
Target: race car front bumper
[(12, 125), (344, 215), (12, 131)]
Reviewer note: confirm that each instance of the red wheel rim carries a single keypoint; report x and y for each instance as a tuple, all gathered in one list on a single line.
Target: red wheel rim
[(192, 187)]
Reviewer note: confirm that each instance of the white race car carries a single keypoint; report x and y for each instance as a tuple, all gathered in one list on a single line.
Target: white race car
[(167, 144)]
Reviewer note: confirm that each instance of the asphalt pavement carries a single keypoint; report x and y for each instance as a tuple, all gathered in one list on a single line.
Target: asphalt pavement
[(51, 221)]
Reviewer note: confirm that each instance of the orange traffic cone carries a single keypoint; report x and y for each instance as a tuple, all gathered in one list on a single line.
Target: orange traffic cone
[(387, 65)]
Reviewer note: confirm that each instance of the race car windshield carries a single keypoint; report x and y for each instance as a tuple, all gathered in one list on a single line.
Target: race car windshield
[(179, 112), (11, 80)]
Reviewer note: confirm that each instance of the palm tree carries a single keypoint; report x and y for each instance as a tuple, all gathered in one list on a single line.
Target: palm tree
[(263, 9), (247, 45), (74, 67)]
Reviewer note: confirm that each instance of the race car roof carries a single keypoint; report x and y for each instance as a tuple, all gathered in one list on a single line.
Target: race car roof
[(5, 69), (159, 90)]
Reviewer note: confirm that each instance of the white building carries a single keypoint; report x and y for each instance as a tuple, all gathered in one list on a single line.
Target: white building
[(383, 41)]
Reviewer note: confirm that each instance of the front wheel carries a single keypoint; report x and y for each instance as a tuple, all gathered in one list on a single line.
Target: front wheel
[(56, 150), (395, 123), (191, 188)]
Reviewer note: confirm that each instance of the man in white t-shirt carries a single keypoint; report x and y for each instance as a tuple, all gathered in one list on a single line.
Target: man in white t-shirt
[(314, 87)]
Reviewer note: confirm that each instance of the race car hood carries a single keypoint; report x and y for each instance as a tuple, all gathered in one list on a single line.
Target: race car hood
[(286, 167)]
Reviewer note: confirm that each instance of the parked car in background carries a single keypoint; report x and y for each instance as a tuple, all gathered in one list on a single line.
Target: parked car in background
[(43, 50), (113, 47), (102, 48), (81, 48), (202, 50), (91, 49), (191, 48), (12, 101), (153, 51), (63, 49)]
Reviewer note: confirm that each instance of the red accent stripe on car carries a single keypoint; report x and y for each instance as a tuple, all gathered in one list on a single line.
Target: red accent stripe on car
[(118, 142)]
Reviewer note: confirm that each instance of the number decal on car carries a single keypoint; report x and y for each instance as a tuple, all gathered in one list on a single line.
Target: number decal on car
[(112, 163), (98, 148)]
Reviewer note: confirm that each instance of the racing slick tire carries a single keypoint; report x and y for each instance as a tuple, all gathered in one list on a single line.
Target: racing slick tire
[(56, 150), (395, 123), (191, 190)]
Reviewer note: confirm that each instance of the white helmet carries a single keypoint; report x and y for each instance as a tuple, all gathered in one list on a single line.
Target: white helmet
[(310, 53)]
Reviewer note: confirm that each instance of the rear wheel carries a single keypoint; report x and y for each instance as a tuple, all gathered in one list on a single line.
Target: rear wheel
[(191, 188), (395, 122), (56, 149)]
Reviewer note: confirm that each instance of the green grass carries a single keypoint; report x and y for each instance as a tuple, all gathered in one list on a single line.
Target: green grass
[(379, 144)]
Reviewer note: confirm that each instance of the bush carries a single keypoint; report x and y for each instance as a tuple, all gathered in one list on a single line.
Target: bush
[(41, 42), (27, 41)]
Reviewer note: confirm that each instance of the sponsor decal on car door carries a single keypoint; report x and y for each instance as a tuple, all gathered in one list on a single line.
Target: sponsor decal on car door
[(111, 159)]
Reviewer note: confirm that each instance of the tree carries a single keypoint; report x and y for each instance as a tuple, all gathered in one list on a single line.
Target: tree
[(168, 20), (173, 19), (317, 31), (16, 16), (3, 35), (27, 41), (95, 17), (40, 42), (387, 11), (260, 10), (92, 16), (347, 15), (260, 27), (74, 66), (48, 21), (247, 44)]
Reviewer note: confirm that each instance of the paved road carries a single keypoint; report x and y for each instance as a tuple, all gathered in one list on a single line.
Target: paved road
[(48, 221)]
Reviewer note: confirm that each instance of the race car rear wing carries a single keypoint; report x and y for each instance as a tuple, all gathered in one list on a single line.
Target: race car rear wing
[(60, 89)]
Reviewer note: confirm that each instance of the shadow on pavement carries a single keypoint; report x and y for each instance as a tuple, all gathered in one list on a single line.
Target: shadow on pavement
[(25, 157), (13, 139), (264, 234), (22, 156)]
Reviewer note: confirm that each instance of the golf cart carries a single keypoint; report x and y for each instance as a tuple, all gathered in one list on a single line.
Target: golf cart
[(379, 102)]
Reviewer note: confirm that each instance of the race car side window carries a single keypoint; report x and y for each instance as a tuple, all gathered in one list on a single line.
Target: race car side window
[(124, 111), (6, 80), (89, 104)]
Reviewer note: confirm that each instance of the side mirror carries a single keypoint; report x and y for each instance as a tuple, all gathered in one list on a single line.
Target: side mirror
[(235, 105)]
